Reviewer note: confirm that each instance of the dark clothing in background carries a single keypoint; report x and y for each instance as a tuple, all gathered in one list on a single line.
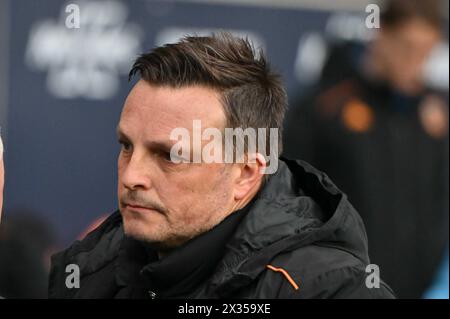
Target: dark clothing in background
[(371, 141), (22, 273), (25, 242), (299, 221)]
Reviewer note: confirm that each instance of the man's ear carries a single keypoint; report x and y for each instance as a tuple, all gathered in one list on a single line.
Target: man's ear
[(250, 175)]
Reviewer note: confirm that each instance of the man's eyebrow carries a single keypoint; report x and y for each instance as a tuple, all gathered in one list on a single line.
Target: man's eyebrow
[(165, 146), (159, 145), (120, 133)]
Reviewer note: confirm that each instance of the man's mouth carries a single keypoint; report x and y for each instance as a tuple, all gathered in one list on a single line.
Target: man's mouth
[(139, 208)]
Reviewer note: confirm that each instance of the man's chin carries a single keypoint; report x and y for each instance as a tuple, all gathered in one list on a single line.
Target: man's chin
[(149, 238), (144, 235), (136, 232)]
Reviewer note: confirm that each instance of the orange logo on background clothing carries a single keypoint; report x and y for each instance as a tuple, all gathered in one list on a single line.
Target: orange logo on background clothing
[(433, 114), (357, 116)]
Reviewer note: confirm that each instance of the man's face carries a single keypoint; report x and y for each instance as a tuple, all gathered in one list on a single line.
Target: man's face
[(162, 202), (404, 50)]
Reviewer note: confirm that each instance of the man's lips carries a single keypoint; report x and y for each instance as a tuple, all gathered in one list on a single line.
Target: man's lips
[(139, 208)]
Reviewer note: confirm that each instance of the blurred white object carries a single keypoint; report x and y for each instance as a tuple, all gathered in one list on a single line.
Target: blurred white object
[(348, 27), (85, 62), (436, 69), (311, 55)]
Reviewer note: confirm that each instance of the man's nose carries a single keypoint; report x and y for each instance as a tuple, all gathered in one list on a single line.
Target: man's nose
[(136, 173)]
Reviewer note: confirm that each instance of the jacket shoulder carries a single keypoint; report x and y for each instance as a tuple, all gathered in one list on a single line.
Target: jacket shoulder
[(317, 272)]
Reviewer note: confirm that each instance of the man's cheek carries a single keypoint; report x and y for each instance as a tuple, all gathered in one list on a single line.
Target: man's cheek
[(183, 204), (188, 218)]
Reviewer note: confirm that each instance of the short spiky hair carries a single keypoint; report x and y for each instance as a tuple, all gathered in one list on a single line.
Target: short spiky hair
[(252, 95)]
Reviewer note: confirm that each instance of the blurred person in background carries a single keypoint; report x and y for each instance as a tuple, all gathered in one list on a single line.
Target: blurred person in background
[(372, 124), (2, 177), (2, 181), (26, 244)]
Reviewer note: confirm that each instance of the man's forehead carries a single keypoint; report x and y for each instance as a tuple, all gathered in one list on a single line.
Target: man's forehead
[(173, 107)]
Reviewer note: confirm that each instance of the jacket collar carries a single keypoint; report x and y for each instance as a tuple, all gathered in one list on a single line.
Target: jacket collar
[(183, 269), (297, 207)]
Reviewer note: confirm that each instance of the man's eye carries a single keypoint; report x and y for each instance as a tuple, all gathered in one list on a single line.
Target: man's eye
[(172, 158), (126, 146), (166, 156)]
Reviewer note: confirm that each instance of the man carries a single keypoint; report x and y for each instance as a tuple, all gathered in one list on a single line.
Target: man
[(201, 229), (373, 125)]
